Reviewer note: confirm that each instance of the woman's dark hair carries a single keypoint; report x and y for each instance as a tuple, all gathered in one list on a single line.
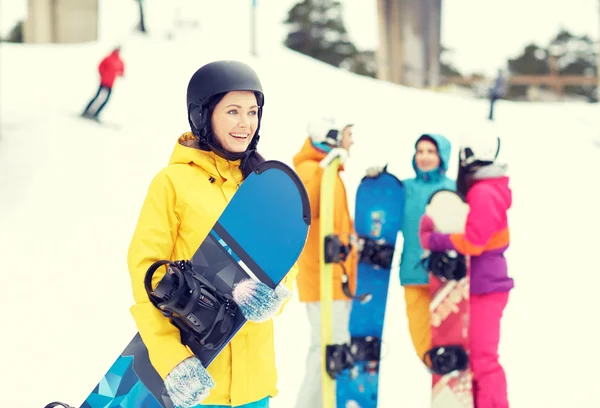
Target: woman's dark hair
[(463, 181), (252, 160), (464, 178)]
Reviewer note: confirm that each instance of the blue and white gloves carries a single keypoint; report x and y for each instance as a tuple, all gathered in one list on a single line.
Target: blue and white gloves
[(188, 384), (337, 152), (374, 171), (258, 302)]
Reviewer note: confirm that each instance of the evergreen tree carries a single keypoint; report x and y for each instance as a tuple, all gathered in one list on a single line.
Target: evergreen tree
[(316, 29)]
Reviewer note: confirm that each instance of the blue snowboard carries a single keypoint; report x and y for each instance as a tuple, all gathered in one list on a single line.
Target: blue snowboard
[(260, 234), (378, 219)]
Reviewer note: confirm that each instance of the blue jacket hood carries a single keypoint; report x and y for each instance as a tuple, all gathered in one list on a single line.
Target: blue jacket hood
[(444, 150)]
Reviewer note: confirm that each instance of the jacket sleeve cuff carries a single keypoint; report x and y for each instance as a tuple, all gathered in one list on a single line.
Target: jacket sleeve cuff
[(439, 242)]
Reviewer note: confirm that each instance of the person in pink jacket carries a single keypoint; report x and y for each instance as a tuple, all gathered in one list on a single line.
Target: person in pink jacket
[(484, 184)]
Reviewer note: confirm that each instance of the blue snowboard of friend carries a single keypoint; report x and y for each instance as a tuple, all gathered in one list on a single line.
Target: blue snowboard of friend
[(378, 219)]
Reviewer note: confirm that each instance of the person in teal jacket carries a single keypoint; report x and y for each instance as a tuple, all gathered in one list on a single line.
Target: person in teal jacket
[(430, 162)]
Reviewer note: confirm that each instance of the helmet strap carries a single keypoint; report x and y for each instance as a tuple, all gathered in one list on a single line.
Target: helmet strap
[(199, 122), (207, 141)]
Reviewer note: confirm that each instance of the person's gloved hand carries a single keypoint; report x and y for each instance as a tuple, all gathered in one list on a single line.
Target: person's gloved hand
[(257, 301), (374, 171), (188, 384), (426, 228), (337, 152)]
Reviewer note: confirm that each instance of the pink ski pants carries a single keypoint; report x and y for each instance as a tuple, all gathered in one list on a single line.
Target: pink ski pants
[(489, 380)]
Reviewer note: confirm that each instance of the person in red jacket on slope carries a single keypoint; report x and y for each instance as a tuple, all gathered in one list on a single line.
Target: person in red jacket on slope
[(110, 68)]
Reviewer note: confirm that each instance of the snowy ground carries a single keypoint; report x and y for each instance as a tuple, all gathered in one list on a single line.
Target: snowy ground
[(71, 191)]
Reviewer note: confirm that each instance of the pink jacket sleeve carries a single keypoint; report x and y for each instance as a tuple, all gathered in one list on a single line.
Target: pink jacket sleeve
[(484, 222)]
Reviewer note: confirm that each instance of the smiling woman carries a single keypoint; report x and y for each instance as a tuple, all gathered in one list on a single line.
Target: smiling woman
[(208, 164)]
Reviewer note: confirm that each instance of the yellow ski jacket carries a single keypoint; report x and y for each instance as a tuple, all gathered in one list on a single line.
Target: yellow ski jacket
[(183, 202)]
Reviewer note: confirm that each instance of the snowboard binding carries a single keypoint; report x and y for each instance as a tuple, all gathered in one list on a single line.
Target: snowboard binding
[(203, 314), (336, 252), (58, 404), (366, 348), (447, 265), (375, 252), (443, 360), (338, 358)]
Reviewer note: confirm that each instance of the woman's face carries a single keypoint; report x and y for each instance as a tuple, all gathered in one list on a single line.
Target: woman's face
[(427, 157), (234, 120), (346, 141)]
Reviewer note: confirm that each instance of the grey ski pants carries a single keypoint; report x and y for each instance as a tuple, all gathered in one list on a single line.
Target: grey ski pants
[(309, 395)]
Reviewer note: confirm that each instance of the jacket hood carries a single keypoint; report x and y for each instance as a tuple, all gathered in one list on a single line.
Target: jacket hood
[(494, 170), (310, 152), (494, 175), (187, 150), (444, 149)]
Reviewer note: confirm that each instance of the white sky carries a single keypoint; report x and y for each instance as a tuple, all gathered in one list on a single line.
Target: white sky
[(482, 34)]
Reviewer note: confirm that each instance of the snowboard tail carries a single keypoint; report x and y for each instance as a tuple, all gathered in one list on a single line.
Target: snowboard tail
[(130, 382), (260, 236)]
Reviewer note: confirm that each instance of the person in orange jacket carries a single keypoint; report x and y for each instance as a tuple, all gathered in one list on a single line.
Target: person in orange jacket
[(325, 143), (109, 69)]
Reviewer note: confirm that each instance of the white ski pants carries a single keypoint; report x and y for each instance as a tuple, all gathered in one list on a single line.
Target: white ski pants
[(309, 395)]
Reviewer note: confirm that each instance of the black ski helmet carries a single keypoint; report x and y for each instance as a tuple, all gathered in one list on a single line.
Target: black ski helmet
[(216, 78)]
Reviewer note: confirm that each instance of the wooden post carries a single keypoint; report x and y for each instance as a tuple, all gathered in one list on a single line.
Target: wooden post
[(396, 42), (434, 48), (554, 74), (383, 53), (253, 29)]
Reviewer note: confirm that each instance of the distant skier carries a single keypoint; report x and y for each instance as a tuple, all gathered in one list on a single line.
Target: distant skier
[(110, 68), (326, 142), (430, 163), (498, 91), (483, 181)]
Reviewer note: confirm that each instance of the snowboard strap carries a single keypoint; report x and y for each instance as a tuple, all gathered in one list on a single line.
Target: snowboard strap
[(449, 265), (336, 252), (443, 360), (338, 358), (366, 348), (375, 252), (58, 404), (364, 298), (203, 314), (342, 357)]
